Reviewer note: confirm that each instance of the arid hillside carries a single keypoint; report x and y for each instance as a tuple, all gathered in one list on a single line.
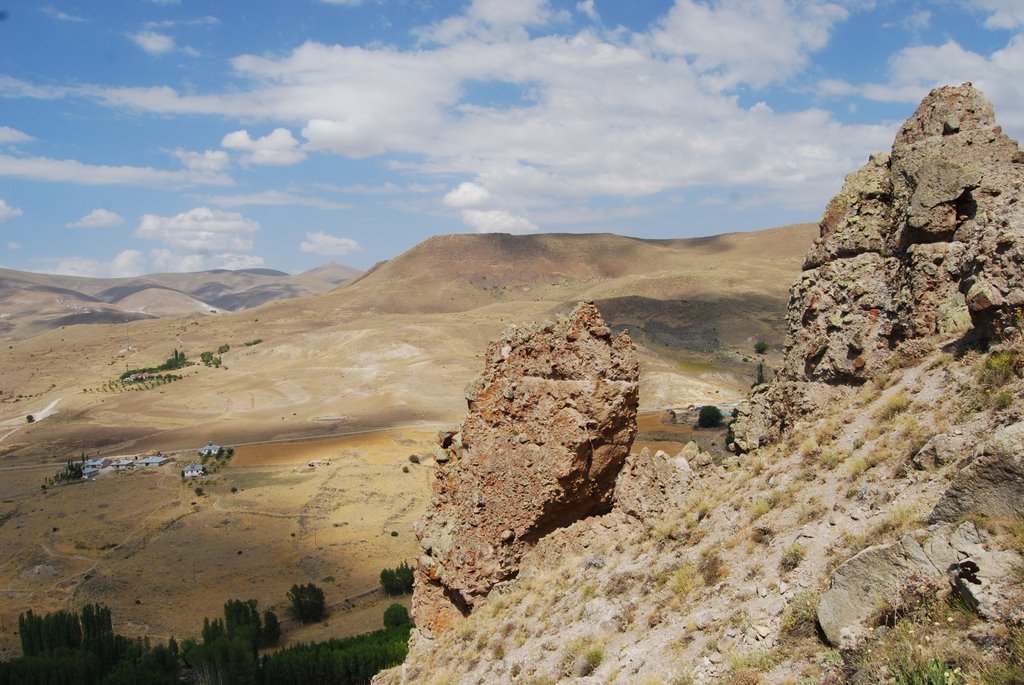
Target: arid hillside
[(397, 346), (31, 303)]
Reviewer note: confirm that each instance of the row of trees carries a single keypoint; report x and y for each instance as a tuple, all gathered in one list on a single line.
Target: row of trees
[(64, 648)]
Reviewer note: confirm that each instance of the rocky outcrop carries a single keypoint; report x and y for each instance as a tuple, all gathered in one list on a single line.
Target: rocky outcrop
[(550, 423), (926, 239)]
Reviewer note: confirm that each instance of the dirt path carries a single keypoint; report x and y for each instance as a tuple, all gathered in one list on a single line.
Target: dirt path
[(20, 421)]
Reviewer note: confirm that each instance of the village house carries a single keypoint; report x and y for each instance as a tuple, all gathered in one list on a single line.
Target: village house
[(211, 450), (154, 460), (193, 471)]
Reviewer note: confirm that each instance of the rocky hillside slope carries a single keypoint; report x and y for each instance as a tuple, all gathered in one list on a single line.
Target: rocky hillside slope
[(870, 527)]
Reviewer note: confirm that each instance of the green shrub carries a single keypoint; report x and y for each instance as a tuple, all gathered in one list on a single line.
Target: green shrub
[(710, 416), (791, 558), (760, 347), (396, 615)]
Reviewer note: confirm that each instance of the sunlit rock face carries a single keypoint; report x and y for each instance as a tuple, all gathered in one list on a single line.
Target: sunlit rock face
[(550, 424)]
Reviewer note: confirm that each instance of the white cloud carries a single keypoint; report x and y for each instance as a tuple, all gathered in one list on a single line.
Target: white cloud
[(489, 20), (343, 3), (126, 263), (73, 171), (322, 243), (497, 221), (164, 2), (171, 23), (13, 245), (1004, 14), (201, 230), (272, 197), (98, 218), (8, 212), (61, 16), (587, 8), (468, 194), (208, 160), (666, 106), (916, 70), (13, 135), (152, 42), (278, 148), (757, 42)]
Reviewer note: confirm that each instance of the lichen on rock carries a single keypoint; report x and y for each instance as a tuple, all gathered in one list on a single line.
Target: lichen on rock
[(550, 424)]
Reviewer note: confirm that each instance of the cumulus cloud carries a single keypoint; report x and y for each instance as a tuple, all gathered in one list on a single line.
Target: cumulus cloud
[(322, 243), (669, 106), (201, 230), (1003, 14), (277, 148), (154, 43), (497, 221), (206, 161), (915, 70), (468, 194), (126, 263), (98, 218), (746, 41), (13, 135), (587, 8), (8, 212)]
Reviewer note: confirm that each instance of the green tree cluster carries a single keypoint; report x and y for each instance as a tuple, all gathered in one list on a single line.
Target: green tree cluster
[(229, 651), (82, 649), (398, 580), (350, 661), (307, 602)]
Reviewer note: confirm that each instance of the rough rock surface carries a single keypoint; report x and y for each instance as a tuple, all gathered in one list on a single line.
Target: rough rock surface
[(875, 579), (651, 485), (992, 484), (550, 424), (926, 239)]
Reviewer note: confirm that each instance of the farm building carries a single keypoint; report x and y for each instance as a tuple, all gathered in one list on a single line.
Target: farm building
[(210, 450), (154, 460), (193, 471)]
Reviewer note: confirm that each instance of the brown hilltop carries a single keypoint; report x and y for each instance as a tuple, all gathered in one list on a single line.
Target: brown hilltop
[(388, 349)]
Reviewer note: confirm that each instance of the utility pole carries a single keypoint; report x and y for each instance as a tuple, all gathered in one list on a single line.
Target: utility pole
[(127, 343)]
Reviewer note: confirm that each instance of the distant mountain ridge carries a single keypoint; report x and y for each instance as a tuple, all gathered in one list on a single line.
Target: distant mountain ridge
[(32, 302)]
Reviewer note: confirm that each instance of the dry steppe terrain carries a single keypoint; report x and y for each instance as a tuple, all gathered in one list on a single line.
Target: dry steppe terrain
[(389, 352)]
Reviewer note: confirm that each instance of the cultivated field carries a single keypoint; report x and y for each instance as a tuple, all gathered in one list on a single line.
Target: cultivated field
[(162, 557)]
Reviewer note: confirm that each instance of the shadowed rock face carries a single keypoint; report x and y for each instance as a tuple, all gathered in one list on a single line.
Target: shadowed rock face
[(550, 423), (925, 240)]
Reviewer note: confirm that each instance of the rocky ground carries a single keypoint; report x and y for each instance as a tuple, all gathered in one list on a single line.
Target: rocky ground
[(869, 526)]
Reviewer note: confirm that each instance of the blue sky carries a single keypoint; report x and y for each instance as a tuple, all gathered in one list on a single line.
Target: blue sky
[(175, 135)]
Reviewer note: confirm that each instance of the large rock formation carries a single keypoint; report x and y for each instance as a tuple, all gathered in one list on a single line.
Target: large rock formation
[(550, 423), (924, 240)]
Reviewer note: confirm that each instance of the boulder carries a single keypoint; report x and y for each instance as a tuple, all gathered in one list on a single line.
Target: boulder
[(550, 424), (651, 485), (877, 578), (992, 484)]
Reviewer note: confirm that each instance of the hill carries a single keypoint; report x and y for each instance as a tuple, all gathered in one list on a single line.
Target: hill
[(396, 345), (31, 303)]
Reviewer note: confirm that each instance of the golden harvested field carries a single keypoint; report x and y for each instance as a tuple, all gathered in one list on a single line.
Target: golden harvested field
[(162, 557)]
